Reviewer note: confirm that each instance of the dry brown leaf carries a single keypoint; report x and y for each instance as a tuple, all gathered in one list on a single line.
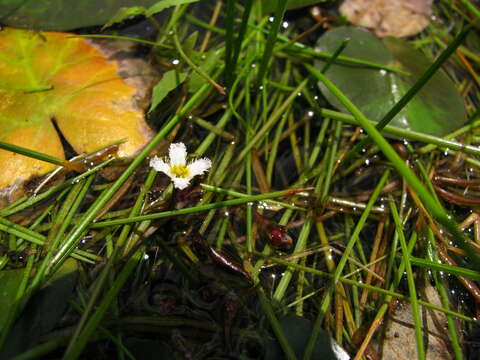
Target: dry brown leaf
[(398, 18), (399, 342)]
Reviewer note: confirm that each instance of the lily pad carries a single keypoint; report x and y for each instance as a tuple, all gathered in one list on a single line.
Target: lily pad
[(62, 14), (50, 83), (438, 107)]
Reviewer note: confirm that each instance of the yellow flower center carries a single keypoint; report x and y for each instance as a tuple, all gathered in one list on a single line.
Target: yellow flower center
[(180, 171)]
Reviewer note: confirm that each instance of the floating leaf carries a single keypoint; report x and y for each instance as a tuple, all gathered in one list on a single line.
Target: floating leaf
[(85, 98), (438, 107), (62, 14)]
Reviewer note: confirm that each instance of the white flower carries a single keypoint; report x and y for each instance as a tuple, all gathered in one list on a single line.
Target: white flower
[(177, 168)]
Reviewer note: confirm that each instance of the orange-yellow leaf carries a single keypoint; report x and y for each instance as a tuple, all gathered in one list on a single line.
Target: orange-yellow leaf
[(48, 77)]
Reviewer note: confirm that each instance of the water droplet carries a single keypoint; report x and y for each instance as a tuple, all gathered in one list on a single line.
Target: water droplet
[(285, 24), (271, 19), (175, 61)]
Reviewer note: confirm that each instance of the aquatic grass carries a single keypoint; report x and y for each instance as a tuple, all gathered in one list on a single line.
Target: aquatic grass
[(253, 137), (270, 41), (325, 303), (74, 237), (436, 210), (410, 280), (433, 141), (197, 209)]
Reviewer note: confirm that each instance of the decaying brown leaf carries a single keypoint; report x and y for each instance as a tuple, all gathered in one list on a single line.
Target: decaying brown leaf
[(399, 342), (398, 18)]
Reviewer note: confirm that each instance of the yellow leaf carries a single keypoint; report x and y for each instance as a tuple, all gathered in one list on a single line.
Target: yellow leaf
[(51, 77)]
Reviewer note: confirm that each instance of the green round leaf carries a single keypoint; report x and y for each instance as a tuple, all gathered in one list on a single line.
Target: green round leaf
[(438, 107)]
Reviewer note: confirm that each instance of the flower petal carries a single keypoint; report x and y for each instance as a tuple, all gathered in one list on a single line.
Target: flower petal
[(159, 165), (198, 167), (177, 153), (180, 183)]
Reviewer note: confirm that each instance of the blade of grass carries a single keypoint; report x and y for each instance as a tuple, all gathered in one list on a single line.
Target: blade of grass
[(410, 280), (241, 35), (277, 329), (41, 156), (271, 39), (434, 141), (196, 209), (452, 328)]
